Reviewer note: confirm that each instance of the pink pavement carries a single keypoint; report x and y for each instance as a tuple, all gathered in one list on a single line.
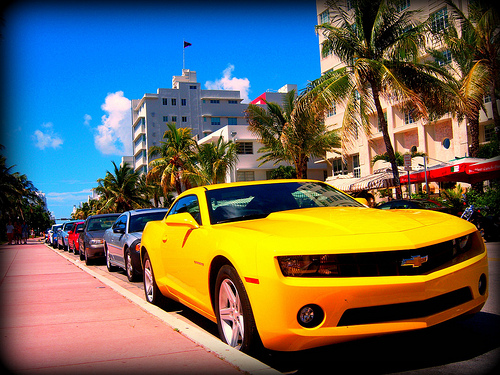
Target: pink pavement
[(58, 319)]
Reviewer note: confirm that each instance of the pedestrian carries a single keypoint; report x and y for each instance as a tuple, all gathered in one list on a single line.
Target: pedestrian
[(17, 233), (10, 232), (24, 232)]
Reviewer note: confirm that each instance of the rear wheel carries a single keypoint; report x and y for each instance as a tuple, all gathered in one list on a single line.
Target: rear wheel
[(151, 290), (109, 265), (234, 314), (129, 268)]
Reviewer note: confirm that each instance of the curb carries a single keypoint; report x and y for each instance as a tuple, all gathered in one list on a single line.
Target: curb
[(238, 359)]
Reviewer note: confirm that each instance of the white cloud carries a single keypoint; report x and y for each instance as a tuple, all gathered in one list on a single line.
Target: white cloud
[(69, 196), (230, 83), (113, 136), (86, 119), (47, 138)]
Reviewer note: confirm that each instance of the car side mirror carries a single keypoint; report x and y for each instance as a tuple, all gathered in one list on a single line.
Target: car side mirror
[(182, 220), (362, 201), (120, 229), (79, 230)]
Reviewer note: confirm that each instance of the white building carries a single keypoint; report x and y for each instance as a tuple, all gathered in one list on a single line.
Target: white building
[(210, 114), (247, 168), (442, 140), (187, 105)]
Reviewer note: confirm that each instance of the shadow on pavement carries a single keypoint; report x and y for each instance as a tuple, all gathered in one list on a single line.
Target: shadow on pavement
[(450, 342)]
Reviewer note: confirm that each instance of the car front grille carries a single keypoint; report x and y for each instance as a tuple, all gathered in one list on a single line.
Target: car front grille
[(418, 261), (405, 311)]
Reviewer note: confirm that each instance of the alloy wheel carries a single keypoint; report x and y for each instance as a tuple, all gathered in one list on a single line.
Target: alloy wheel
[(231, 314)]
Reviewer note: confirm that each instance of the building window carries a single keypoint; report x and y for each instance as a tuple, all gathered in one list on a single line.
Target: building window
[(215, 120), (408, 117), (184, 119), (332, 111), (487, 99), (324, 17), (174, 118), (174, 101), (439, 20), (356, 168), (489, 133), (214, 101), (232, 121), (402, 5), (245, 148), (245, 176), (165, 118), (446, 58), (339, 167), (446, 143), (192, 87), (232, 101), (165, 101), (183, 102), (379, 126)]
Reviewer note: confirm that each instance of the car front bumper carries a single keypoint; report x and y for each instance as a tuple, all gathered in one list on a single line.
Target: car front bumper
[(358, 307)]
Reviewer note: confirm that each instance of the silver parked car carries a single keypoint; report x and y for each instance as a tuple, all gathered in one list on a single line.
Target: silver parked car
[(62, 237), (122, 241)]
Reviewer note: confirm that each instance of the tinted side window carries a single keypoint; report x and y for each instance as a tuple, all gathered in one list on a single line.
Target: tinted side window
[(121, 222), (187, 204)]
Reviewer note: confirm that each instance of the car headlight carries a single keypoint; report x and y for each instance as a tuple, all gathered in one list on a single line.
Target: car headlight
[(308, 265), (97, 242), (462, 244)]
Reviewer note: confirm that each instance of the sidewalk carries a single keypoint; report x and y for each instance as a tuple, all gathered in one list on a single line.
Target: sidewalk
[(58, 319)]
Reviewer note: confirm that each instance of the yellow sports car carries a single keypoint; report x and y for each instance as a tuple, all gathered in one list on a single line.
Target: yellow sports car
[(296, 264)]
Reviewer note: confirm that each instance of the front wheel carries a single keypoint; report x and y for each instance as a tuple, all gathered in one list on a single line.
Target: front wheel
[(234, 314)]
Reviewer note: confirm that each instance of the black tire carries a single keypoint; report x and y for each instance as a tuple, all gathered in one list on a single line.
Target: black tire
[(88, 261), (109, 266), (129, 268), (82, 253), (237, 316), (151, 290)]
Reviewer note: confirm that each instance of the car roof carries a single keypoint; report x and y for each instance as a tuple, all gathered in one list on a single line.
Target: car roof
[(145, 210), (105, 215)]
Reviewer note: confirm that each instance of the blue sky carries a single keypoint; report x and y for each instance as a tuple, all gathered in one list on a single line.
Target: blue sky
[(69, 72)]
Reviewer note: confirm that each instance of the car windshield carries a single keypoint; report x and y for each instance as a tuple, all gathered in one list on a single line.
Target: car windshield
[(139, 221), (68, 226), (101, 223), (257, 201)]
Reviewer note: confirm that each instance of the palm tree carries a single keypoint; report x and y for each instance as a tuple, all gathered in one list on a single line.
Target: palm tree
[(290, 133), (173, 160), (476, 51), (379, 46), (119, 190), (213, 161)]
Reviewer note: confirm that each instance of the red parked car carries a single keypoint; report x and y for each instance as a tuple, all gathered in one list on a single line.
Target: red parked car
[(73, 236)]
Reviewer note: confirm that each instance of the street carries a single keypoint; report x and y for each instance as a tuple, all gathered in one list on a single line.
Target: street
[(467, 346)]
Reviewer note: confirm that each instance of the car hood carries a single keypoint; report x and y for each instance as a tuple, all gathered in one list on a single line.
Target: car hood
[(353, 228)]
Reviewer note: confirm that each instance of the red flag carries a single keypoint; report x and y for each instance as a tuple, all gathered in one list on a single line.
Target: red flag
[(186, 44)]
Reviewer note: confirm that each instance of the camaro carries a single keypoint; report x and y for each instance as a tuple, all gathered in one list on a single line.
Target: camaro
[(296, 264)]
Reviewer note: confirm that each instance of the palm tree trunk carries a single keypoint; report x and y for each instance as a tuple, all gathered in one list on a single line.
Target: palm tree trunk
[(387, 139), (473, 121), (494, 110)]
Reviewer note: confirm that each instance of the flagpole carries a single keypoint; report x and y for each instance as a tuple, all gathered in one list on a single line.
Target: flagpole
[(183, 55)]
